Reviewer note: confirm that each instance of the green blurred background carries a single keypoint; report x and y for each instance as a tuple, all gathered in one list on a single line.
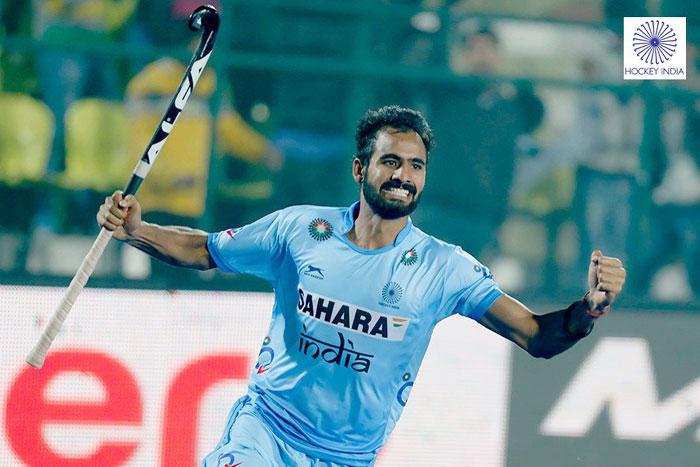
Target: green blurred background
[(543, 151)]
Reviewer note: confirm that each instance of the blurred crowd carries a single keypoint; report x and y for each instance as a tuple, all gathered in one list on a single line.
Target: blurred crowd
[(543, 151)]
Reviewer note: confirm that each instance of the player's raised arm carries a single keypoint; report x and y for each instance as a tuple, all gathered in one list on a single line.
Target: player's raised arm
[(179, 246), (550, 334)]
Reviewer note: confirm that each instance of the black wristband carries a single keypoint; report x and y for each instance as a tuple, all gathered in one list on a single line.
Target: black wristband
[(579, 306)]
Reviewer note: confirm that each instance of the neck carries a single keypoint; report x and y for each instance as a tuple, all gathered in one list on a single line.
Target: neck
[(371, 232)]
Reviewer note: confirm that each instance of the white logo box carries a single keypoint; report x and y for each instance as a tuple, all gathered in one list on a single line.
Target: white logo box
[(654, 48)]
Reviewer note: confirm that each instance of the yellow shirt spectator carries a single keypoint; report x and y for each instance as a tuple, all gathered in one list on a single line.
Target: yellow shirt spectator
[(178, 184)]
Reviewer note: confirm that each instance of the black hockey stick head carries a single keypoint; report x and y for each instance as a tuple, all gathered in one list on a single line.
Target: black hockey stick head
[(204, 16)]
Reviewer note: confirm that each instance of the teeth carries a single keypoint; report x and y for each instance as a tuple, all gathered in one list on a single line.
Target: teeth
[(399, 191)]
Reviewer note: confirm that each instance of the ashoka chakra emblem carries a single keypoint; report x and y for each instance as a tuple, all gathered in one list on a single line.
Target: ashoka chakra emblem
[(654, 42), (320, 229)]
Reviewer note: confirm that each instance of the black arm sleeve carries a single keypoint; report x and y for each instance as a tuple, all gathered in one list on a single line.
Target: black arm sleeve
[(560, 330)]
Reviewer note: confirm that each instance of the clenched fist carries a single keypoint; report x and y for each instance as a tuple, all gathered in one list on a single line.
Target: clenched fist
[(120, 214), (606, 277)]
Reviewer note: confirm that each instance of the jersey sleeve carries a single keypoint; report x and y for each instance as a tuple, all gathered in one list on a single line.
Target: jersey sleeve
[(256, 249), (469, 287)]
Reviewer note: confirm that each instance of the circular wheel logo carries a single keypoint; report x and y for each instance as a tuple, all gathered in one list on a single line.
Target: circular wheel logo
[(654, 42), (409, 257), (392, 292), (320, 229)]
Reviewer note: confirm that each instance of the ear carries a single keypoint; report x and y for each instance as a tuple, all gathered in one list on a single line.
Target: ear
[(358, 170)]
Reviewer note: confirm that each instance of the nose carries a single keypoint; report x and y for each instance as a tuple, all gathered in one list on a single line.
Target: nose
[(401, 174), (403, 177)]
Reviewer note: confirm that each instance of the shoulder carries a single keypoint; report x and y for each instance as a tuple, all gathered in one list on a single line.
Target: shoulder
[(308, 211), (308, 216), (451, 256), (433, 245)]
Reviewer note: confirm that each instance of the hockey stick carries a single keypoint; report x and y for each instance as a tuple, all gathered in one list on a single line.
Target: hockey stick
[(205, 18)]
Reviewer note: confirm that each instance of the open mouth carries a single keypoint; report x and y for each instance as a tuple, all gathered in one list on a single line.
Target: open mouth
[(397, 193)]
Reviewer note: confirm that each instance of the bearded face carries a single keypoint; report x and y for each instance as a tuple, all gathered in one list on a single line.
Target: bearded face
[(392, 206), (392, 179)]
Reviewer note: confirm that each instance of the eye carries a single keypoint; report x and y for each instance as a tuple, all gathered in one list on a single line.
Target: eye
[(390, 162), (417, 166)]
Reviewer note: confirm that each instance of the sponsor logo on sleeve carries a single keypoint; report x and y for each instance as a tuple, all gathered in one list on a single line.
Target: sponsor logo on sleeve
[(404, 392), (483, 270), (232, 232), (265, 358), (227, 460), (405, 389)]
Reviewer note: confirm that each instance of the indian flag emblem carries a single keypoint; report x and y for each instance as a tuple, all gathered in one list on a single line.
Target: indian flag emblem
[(320, 229), (398, 322), (409, 257)]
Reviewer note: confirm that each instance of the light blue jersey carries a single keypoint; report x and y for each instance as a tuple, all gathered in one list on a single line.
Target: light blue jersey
[(349, 326)]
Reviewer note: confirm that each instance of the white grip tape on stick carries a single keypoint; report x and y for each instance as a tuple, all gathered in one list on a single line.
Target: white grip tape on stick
[(38, 354)]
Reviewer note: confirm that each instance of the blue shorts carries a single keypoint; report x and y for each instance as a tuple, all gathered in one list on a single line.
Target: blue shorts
[(249, 442)]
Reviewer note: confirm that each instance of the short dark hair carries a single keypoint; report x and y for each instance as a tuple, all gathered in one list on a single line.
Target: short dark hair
[(390, 116)]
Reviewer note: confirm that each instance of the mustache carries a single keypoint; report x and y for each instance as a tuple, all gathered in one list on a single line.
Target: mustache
[(398, 184)]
